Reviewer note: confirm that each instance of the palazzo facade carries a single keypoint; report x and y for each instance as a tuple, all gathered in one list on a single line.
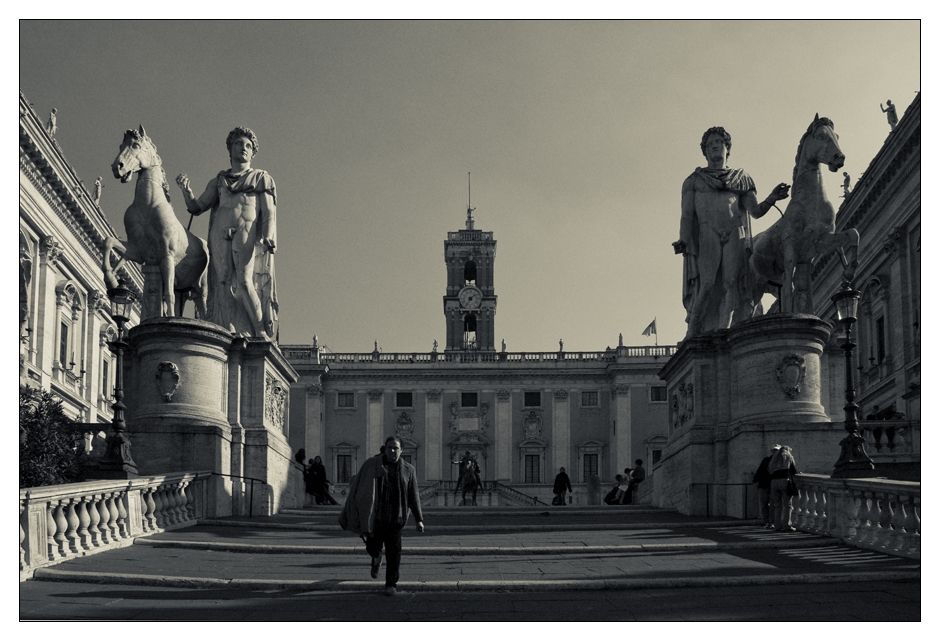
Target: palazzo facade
[(64, 312), (523, 415)]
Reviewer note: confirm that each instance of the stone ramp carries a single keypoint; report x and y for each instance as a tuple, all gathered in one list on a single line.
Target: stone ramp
[(519, 550)]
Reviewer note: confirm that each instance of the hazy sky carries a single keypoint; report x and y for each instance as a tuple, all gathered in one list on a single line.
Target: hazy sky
[(578, 136)]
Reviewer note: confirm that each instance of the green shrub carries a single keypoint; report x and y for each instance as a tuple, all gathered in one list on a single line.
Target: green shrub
[(51, 449)]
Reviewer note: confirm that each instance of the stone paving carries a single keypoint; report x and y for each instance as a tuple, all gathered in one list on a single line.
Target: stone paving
[(646, 555)]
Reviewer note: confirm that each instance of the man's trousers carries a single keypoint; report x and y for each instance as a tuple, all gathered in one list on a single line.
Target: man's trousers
[(389, 536)]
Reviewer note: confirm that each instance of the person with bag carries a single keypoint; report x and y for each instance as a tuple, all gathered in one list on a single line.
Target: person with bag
[(782, 468), (762, 478), (561, 487)]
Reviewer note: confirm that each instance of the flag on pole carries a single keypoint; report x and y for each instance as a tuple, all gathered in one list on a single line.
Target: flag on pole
[(650, 329)]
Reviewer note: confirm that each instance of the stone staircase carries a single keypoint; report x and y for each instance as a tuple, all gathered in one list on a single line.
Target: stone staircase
[(542, 548)]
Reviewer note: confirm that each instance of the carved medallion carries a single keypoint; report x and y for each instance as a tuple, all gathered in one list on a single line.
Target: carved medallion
[(790, 372), (168, 379)]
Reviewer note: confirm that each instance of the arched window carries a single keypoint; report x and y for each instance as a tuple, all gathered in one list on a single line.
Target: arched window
[(470, 273), (470, 331)]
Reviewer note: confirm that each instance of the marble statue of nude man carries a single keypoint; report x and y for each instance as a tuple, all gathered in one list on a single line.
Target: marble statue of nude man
[(242, 240), (714, 237)]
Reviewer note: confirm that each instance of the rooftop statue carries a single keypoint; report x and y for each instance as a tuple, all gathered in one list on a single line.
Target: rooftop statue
[(97, 194), (891, 111), (154, 234), (714, 236), (52, 128), (784, 254), (242, 240), (846, 183)]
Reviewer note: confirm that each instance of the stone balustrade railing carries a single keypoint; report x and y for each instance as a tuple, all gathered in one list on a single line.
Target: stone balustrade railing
[(875, 514), (303, 352), (60, 522)]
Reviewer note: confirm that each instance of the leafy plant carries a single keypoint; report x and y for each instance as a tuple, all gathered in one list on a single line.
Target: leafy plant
[(51, 449)]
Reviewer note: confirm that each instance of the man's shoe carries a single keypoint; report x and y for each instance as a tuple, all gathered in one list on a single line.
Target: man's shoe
[(376, 564), (394, 591), (390, 590)]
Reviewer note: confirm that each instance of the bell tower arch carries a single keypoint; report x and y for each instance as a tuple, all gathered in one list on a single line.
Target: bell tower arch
[(470, 299)]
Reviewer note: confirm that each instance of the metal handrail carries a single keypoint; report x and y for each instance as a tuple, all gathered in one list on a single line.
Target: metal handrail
[(251, 495)]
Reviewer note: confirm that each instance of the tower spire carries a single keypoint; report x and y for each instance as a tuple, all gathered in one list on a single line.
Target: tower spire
[(469, 208)]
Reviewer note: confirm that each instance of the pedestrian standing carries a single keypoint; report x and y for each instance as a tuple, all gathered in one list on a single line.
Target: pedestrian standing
[(377, 508), (782, 468), (762, 478)]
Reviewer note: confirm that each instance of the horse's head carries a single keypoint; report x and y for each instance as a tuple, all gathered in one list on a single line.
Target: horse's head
[(137, 153), (820, 145)]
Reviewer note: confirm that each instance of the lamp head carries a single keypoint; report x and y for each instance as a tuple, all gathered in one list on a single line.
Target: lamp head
[(122, 300), (846, 301)]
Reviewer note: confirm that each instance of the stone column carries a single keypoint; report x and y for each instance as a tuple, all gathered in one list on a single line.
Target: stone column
[(314, 442), (433, 430), (561, 432), (503, 435), (374, 435), (620, 455)]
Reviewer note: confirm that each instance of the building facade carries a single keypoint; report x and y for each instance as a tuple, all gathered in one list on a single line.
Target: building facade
[(884, 206), (523, 415), (64, 320)]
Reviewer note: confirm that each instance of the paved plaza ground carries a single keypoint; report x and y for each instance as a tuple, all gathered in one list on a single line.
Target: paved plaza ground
[(525, 564)]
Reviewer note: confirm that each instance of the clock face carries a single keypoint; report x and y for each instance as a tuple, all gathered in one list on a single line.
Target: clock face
[(470, 297)]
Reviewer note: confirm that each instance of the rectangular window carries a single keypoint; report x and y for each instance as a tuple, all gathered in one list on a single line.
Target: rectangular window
[(105, 387), (589, 398), (880, 330), (345, 399), (468, 399), (590, 467), (343, 468), (532, 468), (657, 454), (658, 394), (533, 399), (63, 345), (403, 399)]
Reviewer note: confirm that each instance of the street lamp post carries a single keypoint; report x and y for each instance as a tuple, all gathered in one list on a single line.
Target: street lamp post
[(117, 461), (853, 461)]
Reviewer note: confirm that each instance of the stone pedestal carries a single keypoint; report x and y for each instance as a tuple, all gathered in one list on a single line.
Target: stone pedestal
[(733, 394), (200, 399)]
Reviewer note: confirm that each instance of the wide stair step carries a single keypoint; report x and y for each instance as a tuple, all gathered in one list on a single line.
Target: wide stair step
[(534, 548)]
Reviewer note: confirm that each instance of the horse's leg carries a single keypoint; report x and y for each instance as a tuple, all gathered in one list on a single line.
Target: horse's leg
[(789, 268), (168, 270)]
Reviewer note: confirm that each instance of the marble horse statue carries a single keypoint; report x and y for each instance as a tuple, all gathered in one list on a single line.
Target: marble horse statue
[(155, 235), (783, 256)]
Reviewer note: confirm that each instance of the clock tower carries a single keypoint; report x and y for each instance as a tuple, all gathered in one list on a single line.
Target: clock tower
[(470, 303)]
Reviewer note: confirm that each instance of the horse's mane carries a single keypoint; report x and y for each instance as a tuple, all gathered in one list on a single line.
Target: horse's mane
[(136, 136), (817, 122)]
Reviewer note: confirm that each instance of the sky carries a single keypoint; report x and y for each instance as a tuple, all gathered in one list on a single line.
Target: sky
[(577, 136)]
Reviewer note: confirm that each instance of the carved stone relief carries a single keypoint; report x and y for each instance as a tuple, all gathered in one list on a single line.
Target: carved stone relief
[(375, 394), (683, 404), (503, 394), (315, 389), (50, 250), (275, 401), (790, 373), (561, 394), (532, 425), (404, 426), (434, 394), (621, 389), (168, 379)]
